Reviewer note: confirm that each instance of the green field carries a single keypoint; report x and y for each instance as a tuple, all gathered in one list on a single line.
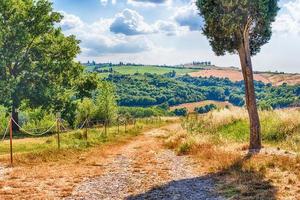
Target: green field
[(148, 69)]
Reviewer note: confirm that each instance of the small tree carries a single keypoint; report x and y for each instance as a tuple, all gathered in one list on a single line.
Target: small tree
[(85, 112), (240, 27), (106, 104)]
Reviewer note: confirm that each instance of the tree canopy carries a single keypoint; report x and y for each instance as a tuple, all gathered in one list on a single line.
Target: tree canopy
[(227, 21), (36, 58)]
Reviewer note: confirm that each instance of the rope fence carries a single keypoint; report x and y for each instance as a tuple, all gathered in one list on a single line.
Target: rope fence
[(60, 126)]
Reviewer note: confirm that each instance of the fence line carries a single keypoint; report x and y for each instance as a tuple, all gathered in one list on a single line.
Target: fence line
[(34, 134), (120, 121)]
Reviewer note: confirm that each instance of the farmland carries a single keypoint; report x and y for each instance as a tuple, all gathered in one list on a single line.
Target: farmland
[(147, 69), (276, 79)]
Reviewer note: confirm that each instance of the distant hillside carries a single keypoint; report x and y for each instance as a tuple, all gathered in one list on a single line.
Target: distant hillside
[(104, 70), (233, 74)]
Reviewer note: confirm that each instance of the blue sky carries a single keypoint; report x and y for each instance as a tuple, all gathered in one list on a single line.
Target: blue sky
[(168, 32)]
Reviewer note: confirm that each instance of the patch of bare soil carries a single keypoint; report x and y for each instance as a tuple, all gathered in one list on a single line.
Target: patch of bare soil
[(279, 79), (233, 75)]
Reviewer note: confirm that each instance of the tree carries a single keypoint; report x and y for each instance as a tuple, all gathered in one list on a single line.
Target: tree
[(106, 104), (36, 59), (85, 112), (240, 27), (181, 111)]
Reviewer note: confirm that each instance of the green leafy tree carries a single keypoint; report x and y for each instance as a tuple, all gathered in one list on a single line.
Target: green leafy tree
[(240, 27), (36, 59), (85, 110), (106, 104)]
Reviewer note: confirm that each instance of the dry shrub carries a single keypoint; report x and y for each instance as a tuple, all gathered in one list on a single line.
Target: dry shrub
[(175, 139)]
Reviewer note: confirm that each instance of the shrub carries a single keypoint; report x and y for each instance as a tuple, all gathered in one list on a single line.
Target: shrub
[(205, 109), (36, 119), (181, 112), (3, 120)]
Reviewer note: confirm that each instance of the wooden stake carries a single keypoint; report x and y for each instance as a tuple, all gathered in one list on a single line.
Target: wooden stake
[(125, 126), (118, 123), (86, 130), (58, 130), (10, 137)]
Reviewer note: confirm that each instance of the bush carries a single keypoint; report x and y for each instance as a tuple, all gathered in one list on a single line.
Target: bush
[(140, 112), (236, 100), (3, 120), (205, 109), (181, 112), (36, 119)]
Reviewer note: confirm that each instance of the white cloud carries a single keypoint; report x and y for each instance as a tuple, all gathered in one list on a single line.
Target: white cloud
[(106, 2), (130, 22), (96, 40), (188, 16), (149, 3), (289, 20), (70, 21), (169, 28)]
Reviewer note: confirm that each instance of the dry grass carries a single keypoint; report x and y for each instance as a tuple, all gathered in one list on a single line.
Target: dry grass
[(233, 75), (238, 175), (192, 106), (236, 75), (52, 174)]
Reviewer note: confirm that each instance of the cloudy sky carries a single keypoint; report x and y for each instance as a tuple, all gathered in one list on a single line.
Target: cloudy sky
[(168, 32)]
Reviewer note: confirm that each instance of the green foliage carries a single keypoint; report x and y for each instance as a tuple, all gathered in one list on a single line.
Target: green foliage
[(181, 112), (130, 70), (36, 58), (140, 112), (106, 104), (86, 85), (3, 120), (205, 109), (151, 90), (236, 99), (226, 23), (36, 120), (85, 110)]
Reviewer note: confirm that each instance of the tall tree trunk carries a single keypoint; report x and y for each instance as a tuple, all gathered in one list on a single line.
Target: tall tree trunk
[(246, 64)]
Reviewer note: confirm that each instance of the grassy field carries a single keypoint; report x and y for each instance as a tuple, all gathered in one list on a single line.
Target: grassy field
[(218, 142), (44, 148), (148, 69)]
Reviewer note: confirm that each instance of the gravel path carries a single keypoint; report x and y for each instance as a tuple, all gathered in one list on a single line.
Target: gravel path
[(143, 169)]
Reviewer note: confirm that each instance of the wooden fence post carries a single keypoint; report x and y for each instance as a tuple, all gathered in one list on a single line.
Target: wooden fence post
[(58, 130), (118, 124), (86, 130), (10, 138)]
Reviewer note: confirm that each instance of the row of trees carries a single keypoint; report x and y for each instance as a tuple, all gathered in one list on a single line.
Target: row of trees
[(146, 90)]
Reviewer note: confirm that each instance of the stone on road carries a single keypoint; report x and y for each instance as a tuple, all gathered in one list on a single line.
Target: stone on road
[(144, 169)]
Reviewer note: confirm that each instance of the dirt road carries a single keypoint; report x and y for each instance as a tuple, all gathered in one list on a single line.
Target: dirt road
[(144, 169)]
